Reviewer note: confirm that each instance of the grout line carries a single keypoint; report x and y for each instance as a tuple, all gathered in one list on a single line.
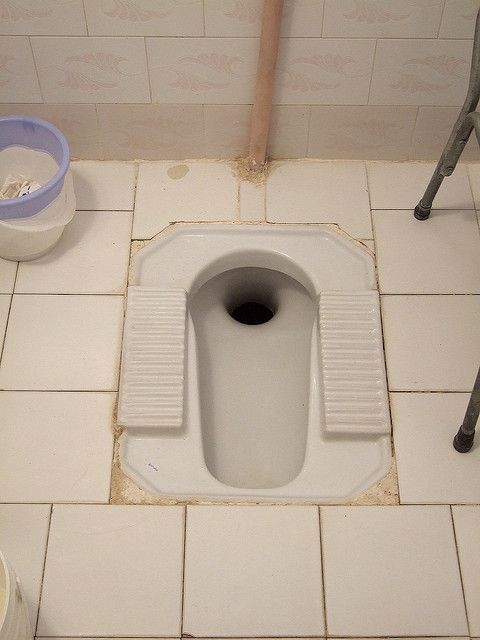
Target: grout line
[(322, 564), (147, 66), (309, 130), (36, 69), (9, 312), (182, 603), (460, 570), (441, 18), (372, 72), (412, 136), (43, 568)]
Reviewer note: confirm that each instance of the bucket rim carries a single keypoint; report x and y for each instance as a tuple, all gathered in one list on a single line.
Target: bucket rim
[(59, 174)]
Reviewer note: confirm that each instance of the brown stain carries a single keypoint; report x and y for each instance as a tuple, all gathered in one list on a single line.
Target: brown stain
[(241, 169), (178, 171)]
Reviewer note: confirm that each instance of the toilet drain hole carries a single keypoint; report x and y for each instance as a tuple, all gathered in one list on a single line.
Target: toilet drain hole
[(252, 313)]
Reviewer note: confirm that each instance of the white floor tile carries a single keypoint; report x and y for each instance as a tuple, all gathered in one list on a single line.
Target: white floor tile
[(63, 343), (104, 186), (429, 469), (440, 255), (23, 540), (113, 570), (252, 571), (467, 530), (474, 174), (252, 201), (4, 308), (8, 269), (400, 185), (91, 257), (391, 571), (431, 342), (314, 191), (56, 447), (188, 192)]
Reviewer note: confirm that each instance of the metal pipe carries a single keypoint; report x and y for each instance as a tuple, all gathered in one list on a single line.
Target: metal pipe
[(264, 87)]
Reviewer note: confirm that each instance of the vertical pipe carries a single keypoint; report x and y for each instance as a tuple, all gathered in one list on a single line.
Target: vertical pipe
[(267, 58)]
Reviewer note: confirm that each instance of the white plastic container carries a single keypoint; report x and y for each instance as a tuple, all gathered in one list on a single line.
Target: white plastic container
[(32, 224), (14, 621)]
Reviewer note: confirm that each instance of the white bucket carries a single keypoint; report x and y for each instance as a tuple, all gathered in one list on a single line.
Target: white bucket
[(34, 151), (14, 621), (30, 238)]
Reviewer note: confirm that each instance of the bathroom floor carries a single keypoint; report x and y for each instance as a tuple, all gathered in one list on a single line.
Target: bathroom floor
[(404, 561)]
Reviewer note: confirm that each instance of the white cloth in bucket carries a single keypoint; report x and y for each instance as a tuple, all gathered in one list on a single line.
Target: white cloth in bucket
[(17, 186)]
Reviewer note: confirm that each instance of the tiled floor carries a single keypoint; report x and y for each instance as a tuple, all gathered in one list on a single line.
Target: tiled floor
[(91, 569)]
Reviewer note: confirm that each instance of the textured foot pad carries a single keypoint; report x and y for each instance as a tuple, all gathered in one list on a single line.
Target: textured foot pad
[(152, 377), (354, 381)]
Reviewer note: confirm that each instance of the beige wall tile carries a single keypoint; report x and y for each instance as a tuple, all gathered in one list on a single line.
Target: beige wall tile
[(42, 17), (202, 70), (151, 131), (18, 78), (92, 69), (77, 121), (144, 17), (361, 132), (382, 18), (288, 132), (316, 71), (227, 130), (242, 18), (420, 72), (432, 129), (459, 18)]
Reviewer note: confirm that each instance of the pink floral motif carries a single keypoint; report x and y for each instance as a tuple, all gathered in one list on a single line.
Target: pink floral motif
[(100, 60), (133, 12), (213, 60), (245, 11), (11, 11), (373, 13), (192, 82), (333, 63), (300, 82), (411, 83), (4, 60), (78, 80), (448, 65)]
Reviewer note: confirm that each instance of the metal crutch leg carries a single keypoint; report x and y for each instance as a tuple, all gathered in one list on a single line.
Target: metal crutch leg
[(459, 136), (463, 440)]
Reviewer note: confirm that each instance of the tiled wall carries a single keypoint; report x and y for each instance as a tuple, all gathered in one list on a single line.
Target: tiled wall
[(152, 79)]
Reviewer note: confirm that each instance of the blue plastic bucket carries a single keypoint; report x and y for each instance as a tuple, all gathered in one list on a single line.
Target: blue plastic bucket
[(33, 133)]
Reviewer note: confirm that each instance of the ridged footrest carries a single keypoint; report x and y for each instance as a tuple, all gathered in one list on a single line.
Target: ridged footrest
[(354, 382), (152, 376)]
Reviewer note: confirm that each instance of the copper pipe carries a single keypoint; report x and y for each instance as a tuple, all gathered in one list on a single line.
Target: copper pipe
[(264, 87)]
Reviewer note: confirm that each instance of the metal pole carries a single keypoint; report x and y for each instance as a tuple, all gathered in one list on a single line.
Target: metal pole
[(463, 440), (267, 59), (459, 136)]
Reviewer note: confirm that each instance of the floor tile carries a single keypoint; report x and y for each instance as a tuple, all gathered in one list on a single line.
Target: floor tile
[(391, 571), (429, 469), (23, 540), (4, 308), (252, 201), (252, 571), (40, 430), (91, 257), (440, 255), (315, 191), (8, 270), (113, 570), (63, 343), (400, 185), (474, 174), (188, 192), (104, 186), (467, 531), (432, 343)]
